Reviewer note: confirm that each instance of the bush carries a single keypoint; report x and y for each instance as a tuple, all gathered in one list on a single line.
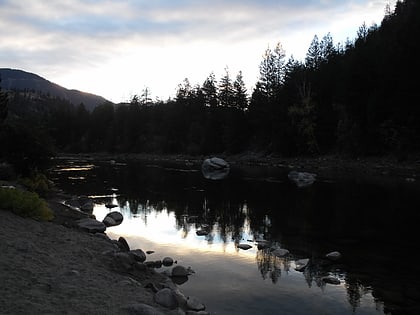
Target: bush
[(25, 204), (37, 183)]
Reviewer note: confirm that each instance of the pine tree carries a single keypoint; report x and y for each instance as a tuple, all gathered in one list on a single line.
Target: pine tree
[(314, 55), (240, 98), (3, 105), (226, 90), (210, 91), (272, 70)]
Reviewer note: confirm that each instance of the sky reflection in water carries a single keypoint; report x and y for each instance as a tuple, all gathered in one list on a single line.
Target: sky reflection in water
[(163, 208), (232, 280)]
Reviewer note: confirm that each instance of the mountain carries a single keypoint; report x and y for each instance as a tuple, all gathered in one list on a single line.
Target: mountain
[(12, 79)]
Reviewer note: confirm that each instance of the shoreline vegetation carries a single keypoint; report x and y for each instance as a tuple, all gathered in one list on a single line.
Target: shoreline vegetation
[(57, 269)]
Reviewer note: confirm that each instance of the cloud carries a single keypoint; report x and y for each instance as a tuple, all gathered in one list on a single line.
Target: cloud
[(77, 41)]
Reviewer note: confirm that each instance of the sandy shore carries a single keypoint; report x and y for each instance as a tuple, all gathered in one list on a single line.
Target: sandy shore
[(47, 268)]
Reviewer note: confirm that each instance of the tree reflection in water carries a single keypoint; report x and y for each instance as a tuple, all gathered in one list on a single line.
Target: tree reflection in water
[(270, 265), (352, 216)]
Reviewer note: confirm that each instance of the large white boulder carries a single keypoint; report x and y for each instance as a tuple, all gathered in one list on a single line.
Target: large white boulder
[(215, 168)]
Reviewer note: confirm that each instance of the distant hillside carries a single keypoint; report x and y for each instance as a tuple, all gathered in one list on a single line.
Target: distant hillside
[(21, 80)]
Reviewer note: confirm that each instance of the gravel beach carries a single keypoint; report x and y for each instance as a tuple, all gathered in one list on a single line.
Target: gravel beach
[(48, 268)]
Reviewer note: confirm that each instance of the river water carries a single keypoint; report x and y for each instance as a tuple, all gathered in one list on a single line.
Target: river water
[(372, 222)]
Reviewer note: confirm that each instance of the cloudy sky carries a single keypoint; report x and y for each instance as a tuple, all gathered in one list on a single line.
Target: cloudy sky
[(117, 48)]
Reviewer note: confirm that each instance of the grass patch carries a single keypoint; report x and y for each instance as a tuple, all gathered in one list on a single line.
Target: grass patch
[(25, 204)]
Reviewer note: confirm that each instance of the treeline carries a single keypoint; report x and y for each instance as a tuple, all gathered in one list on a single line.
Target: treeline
[(357, 98)]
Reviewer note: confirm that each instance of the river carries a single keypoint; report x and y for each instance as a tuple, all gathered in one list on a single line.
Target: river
[(372, 222)]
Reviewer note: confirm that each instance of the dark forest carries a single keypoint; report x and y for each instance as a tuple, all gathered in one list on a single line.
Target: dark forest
[(353, 99)]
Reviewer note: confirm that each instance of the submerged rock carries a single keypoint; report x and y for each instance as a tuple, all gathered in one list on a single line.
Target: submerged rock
[(302, 179), (215, 168)]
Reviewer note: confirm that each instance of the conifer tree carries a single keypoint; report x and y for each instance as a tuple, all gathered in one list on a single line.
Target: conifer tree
[(209, 90), (226, 90), (240, 98)]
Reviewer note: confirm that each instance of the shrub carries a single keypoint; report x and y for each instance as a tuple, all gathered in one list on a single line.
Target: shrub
[(25, 204), (37, 183)]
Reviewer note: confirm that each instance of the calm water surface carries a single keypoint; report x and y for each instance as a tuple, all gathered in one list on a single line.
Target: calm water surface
[(372, 222)]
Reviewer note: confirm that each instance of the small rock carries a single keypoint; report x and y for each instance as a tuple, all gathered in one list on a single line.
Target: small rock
[(194, 304), (108, 221), (331, 280), (91, 225), (244, 246), (166, 298), (202, 232), (139, 266), (123, 261), (167, 261), (113, 218), (150, 252), (138, 255), (179, 279), (333, 255), (180, 271), (123, 244)]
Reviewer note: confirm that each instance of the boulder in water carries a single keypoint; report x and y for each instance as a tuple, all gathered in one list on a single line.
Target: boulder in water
[(215, 168), (113, 218), (302, 179)]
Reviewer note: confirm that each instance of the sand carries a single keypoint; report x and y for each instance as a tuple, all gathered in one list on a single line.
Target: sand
[(47, 268)]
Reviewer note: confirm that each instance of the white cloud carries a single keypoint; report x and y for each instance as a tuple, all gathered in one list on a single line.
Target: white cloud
[(116, 48)]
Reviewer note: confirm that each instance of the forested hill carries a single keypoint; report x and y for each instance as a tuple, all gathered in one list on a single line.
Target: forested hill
[(12, 79), (359, 98)]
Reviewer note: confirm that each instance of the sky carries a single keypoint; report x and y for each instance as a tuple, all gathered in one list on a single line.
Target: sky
[(118, 48)]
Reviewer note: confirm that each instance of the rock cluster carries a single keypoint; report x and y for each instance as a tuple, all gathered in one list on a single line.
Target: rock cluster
[(133, 262), (166, 293)]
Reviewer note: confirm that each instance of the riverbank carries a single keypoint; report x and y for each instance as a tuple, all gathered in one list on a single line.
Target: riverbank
[(48, 268)]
